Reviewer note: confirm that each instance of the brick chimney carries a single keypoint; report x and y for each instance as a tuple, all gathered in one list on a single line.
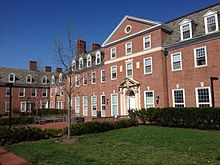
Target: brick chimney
[(80, 47), (48, 69), (33, 65), (95, 46), (59, 70)]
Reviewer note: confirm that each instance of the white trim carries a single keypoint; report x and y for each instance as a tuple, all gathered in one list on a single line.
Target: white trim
[(94, 112), (112, 104), (195, 62), (184, 23), (148, 36), (30, 79), (141, 53), (184, 101), (77, 79), (116, 72), (19, 92), (102, 115), (77, 105), (145, 97), (197, 101), (60, 79), (173, 54), (98, 55), (11, 74), (35, 89), (44, 78), (45, 91), (80, 63), (114, 48), (103, 70), (126, 63), (126, 48), (85, 111), (151, 65), (85, 75), (73, 64), (52, 79), (206, 16), (8, 88), (89, 59), (125, 30), (92, 78)]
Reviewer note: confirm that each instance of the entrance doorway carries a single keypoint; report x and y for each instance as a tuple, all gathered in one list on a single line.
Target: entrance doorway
[(130, 100)]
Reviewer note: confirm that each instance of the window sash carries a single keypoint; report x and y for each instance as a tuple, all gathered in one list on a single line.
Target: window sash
[(128, 48), (147, 65), (21, 92), (113, 53), (147, 42), (114, 104), (200, 56), (149, 99), (77, 105), (93, 77), (113, 72), (85, 106), (94, 105), (178, 98), (203, 97), (102, 75)]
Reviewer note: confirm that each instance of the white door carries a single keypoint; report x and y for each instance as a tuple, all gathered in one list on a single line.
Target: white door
[(131, 102)]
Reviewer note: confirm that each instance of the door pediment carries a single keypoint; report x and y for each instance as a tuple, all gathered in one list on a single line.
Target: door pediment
[(128, 83)]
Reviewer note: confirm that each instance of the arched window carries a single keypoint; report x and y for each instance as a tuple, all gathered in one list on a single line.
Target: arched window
[(81, 63), (11, 77), (89, 60), (74, 65), (60, 77), (53, 80), (44, 80), (98, 58), (29, 79)]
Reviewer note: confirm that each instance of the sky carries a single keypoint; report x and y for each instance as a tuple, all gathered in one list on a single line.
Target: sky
[(28, 28)]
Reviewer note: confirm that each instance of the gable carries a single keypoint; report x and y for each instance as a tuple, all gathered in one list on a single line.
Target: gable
[(135, 24)]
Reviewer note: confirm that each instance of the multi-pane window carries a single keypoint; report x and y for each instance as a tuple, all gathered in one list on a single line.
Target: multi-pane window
[(11, 77), (98, 58), (77, 105), (129, 69), (211, 21), (102, 75), (44, 80), (114, 104), (81, 63), (176, 61), (60, 78), (203, 97), (114, 72), (21, 92), (128, 48), (94, 105), (33, 92), (26, 106), (44, 92), (147, 42), (103, 105), (59, 105), (113, 53), (74, 65), (89, 61), (85, 106), (29, 79), (148, 65), (7, 92), (51, 92), (77, 80), (178, 98), (149, 99), (200, 57), (93, 77), (7, 106), (85, 80), (186, 31)]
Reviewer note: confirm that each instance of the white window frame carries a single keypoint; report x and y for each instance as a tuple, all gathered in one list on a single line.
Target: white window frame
[(197, 98), (60, 78), (93, 77), (145, 48), (94, 112), (58, 104), (7, 90), (129, 62), (46, 91), (184, 23), (208, 15), (77, 105), (29, 77), (35, 92), (111, 52), (73, 65), (115, 66), (172, 55), (7, 106), (89, 61), (103, 76), (150, 65), (195, 61), (85, 77), (103, 112), (77, 80), (52, 79), (116, 94), (126, 48), (25, 104), (20, 91), (85, 105), (44, 80), (80, 63), (145, 98), (98, 56), (9, 77), (184, 101)]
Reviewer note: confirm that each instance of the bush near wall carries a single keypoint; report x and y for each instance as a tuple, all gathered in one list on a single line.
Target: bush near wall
[(16, 120), (201, 118), (49, 111)]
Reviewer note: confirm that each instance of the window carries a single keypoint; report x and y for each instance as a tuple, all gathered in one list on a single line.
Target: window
[(26, 106), (211, 22), (77, 106), (81, 63), (149, 99), (102, 75), (148, 65), (176, 61), (44, 80), (29, 79), (33, 92), (85, 81), (21, 92), (59, 105), (98, 58), (103, 106), (74, 65), (94, 105), (77, 80), (186, 29), (113, 53), (7, 106), (114, 72), (178, 97), (7, 92), (61, 92), (203, 97), (129, 69), (147, 42), (44, 104), (89, 61), (128, 48), (85, 106), (114, 104), (53, 80), (51, 92), (44, 92), (11, 77), (93, 77), (60, 77), (200, 57)]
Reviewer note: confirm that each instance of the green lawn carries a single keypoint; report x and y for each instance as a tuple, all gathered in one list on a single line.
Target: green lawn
[(137, 145)]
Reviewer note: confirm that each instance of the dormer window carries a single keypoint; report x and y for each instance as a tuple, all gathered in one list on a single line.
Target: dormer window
[(44, 80), (11, 77), (89, 60), (60, 77), (211, 22), (186, 29), (81, 63), (53, 80), (98, 58), (29, 79), (74, 65)]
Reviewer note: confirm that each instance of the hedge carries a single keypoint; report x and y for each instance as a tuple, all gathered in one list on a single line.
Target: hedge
[(96, 127), (201, 118), (49, 111), (16, 120)]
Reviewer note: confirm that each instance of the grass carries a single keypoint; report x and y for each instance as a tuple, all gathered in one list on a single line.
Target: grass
[(137, 145)]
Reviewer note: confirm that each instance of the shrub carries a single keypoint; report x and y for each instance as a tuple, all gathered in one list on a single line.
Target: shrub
[(46, 112), (16, 120)]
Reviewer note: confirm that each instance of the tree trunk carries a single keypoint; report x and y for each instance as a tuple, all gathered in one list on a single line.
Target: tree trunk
[(69, 107)]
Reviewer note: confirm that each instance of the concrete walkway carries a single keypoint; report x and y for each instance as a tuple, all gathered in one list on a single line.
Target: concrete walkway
[(7, 158)]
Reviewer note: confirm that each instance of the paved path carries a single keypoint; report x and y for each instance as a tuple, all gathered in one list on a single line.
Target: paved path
[(7, 158)]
